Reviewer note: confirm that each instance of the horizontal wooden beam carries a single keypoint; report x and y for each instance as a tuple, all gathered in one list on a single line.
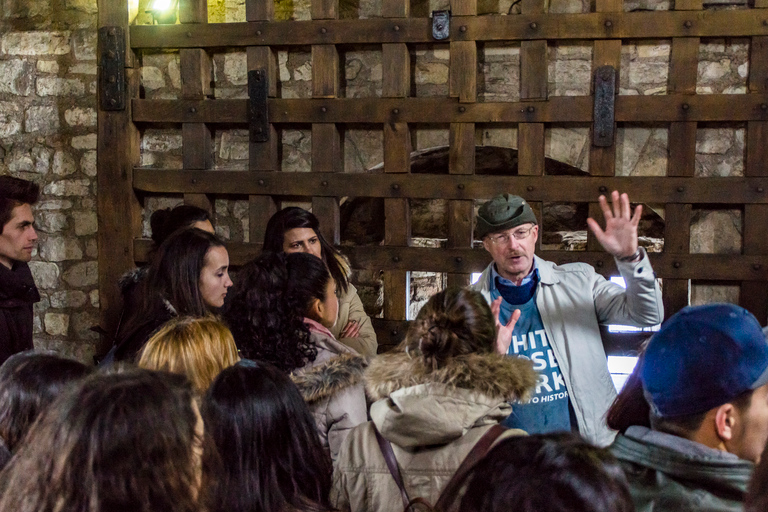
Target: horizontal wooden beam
[(656, 189), (614, 25), (712, 267), (559, 109)]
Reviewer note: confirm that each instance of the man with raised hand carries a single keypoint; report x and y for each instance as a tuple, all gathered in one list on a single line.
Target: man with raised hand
[(705, 377), (554, 311), (17, 241)]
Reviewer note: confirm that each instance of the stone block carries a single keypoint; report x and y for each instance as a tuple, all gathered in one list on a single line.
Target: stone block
[(94, 298), (78, 116), (92, 249), (43, 120), (649, 51), (50, 222), (716, 232), (64, 163), (86, 6), (16, 77), (46, 274), (714, 140), (84, 44), (174, 73), (363, 149), (708, 293), (161, 141), (567, 144), (431, 73), (86, 223), (48, 66), (68, 299), (152, 78), (82, 275), (11, 117), (236, 68), (709, 71), (303, 73), (56, 248), (57, 324), (648, 72), (68, 188), (35, 43), (88, 163), (89, 141), (234, 145), (53, 204), (85, 68), (82, 321)]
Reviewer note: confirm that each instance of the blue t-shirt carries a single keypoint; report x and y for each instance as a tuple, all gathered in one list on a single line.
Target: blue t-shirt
[(549, 409)]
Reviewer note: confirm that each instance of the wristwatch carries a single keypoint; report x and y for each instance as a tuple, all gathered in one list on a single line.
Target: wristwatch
[(637, 256)]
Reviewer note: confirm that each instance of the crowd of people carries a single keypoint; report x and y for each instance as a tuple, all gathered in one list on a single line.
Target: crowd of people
[(264, 392)]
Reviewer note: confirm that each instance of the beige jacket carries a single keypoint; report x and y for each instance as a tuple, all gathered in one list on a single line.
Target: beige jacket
[(574, 301), (351, 308), (433, 419), (332, 387)]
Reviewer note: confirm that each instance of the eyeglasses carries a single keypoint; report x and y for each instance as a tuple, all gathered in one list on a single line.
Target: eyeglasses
[(504, 238)]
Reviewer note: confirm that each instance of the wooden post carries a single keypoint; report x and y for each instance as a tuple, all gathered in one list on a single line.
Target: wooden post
[(754, 294), (396, 60), (262, 156), (118, 208)]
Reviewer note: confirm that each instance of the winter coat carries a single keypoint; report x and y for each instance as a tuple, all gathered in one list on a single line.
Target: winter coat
[(17, 295), (351, 308), (332, 387), (667, 473), (573, 301), (431, 418)]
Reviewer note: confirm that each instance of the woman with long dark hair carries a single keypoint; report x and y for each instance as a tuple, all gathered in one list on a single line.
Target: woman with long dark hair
[(189, 276), (129, 441), (267, 454), (294, 229), (281, 311), (437, 396), (29, 383)]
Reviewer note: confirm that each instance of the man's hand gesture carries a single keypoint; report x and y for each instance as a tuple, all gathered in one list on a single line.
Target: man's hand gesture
[(503, 332), (620, 235)]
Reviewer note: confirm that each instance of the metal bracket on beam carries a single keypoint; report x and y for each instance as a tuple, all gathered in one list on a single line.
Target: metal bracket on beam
[(441, 25), (112, 62), (604, 117), (258, 115)]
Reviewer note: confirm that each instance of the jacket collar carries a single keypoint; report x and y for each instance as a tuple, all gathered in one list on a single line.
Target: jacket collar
[(546, 271), (496, 376), (324, 380)]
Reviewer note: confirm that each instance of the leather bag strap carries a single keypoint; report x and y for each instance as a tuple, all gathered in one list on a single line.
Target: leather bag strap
[(473, 457), (389, 457)]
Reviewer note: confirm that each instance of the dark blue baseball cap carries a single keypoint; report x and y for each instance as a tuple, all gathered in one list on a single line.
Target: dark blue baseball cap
[(704, 357)]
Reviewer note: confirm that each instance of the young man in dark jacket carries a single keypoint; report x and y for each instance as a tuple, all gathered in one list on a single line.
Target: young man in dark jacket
[(705, 376), (17, 241)]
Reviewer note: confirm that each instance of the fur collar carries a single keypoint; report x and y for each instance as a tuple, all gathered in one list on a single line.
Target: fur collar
[(132, 278), (325, 380), (496, 376)]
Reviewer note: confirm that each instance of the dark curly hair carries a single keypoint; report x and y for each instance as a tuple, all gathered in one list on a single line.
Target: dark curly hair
[(294, 217), (454, 322), (265, 309)]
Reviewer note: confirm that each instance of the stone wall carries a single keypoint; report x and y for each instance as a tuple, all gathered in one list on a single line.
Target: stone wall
[(48, 135)]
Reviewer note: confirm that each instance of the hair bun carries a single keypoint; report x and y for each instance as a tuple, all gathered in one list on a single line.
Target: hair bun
[(437, 343)]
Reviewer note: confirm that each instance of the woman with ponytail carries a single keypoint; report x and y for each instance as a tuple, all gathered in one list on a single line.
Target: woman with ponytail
[(437, 396)]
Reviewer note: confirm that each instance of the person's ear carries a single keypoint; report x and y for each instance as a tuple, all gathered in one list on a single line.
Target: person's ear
[(726, 419), (486, 243), (316, 310)]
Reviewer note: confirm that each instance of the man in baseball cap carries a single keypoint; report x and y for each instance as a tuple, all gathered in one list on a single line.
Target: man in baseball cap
[(705, 377), (555, 311)]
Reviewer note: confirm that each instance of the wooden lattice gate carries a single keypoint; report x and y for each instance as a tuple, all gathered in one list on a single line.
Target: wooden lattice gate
[(120, 180)]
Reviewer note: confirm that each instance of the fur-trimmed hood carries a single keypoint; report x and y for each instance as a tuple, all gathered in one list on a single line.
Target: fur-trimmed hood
[(132, 278), (324, 380), (496, 376), (418, 407)]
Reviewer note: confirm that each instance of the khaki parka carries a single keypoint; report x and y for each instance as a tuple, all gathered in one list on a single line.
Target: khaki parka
[(351, 308), (332, 387), (432, 418)]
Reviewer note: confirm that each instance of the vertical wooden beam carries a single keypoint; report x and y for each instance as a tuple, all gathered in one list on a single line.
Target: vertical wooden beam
[(683, 65), (396, 83), (118, 208), (754, 294), (326, 137)]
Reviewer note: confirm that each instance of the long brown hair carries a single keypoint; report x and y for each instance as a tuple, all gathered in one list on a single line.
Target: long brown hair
[(115, 442)]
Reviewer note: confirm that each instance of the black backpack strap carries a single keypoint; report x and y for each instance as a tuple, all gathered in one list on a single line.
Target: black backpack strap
[(389, 457)]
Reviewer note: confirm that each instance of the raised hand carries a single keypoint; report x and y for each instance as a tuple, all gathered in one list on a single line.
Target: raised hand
[(503, 332), (620, 235)]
